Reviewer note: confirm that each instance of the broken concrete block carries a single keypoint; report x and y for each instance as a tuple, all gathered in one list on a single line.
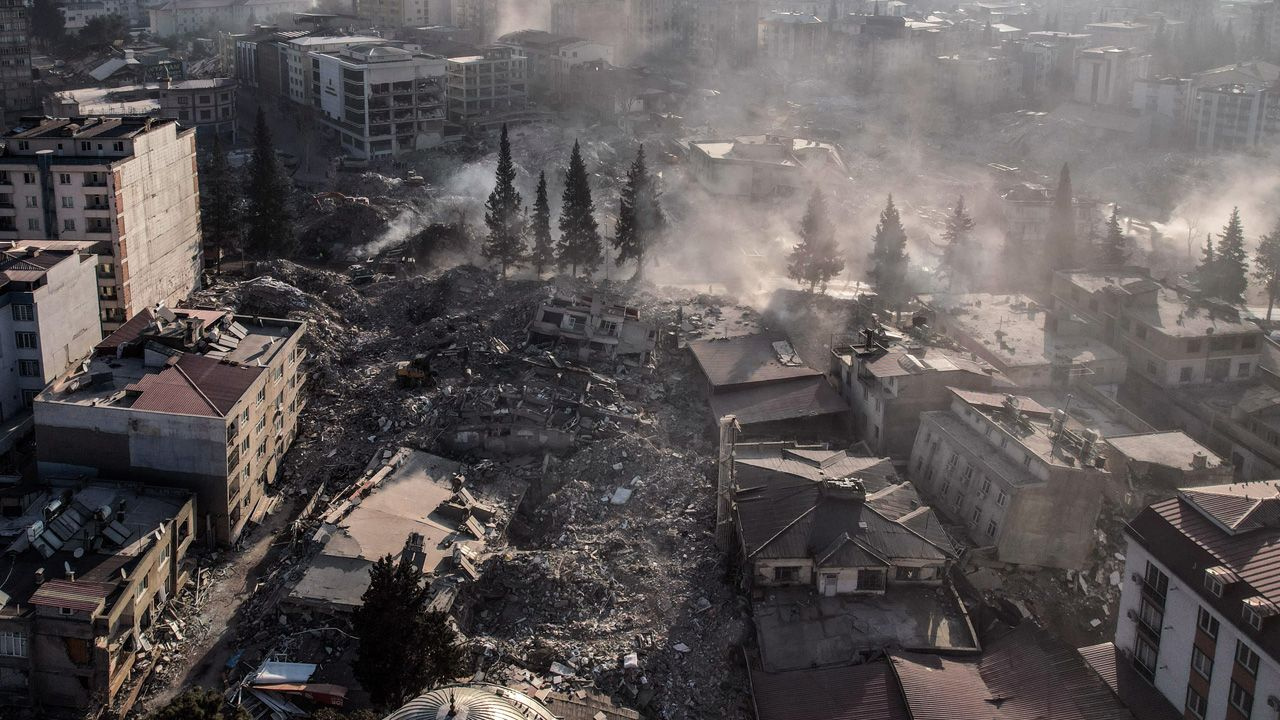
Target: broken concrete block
[(621, 496)]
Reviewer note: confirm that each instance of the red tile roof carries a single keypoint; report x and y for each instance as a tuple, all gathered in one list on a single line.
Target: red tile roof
[(83, 596)]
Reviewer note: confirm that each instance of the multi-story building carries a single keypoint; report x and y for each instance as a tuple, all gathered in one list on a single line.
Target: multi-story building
[(1032, 346), (207, 105), (1236, 117), (177, 17), (488, 89), (1026, 481), (198, 399), (1169, 337), (550, 57), (16, 93), (1027, 211), (91, 567), (1123, 34), (590, 326), (633, 27), (888, 384), (760, 167), (1105, 75), (394, 13), (1197, 614), (51, 320), (1167, 102), (299, 66), (382, 100), (128, 183), (725, 33), (792, 41), (977, 82)]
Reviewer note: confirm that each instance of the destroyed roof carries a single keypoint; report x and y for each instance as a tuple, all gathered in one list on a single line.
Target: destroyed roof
[(816, 464), (587, 706), (781, 516), (80, 596), (858, 692), (902, 361), (1173, 448), (1140, 696), (791, 400), (748, 360), (1177, 315)]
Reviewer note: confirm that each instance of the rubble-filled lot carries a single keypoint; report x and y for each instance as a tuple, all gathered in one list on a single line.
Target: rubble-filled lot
[(609, 578)]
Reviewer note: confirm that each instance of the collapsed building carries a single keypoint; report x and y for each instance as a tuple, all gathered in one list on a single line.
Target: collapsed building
[(416, 506), (761, 167), (589, 327), (91, 567), (198, 399)]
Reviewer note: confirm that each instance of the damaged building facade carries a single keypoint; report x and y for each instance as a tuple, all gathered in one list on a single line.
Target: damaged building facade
[(91, 568), (198, 399), (590, 326), (1026, 481)]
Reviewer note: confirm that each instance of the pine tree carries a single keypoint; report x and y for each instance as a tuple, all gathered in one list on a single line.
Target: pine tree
[(958, 259), (404, 647), (1267, 266), (1207, 272), (579, 245), (1114, 251), (503, 213), (1232, 261), (640, 219), (816, 259), (1062, 252), (199, 704), (544, 251), (220, 198), (889, 257), (270, 218), (47, 22)]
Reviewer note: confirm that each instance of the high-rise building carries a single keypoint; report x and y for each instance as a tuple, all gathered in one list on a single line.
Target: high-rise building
[(394, 13), (128, 183), (488, 89), (16, 94)]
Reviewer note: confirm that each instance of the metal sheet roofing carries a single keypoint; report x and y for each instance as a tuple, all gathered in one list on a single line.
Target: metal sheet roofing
[(799, 399), (744, 360), (195, 385), (860, 692), (81, 596)]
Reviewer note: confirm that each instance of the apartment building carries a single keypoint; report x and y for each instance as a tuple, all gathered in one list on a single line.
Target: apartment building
[(488, 89), (1026, 481), (1169, 337), (590, 326), (889, 383), (1030, 345), (90, 569), (1122, 33), (1198, 603), (1027, 211), (382, 100), (48, 320), (1236, 117), (549, 57), (16, 92), (760, 167), (177, 17), (977, 82), (197, 399), (791, 40), (128, 183), (633, 28), (1105, 75), (394, 13), (208, 105), (722, 33)]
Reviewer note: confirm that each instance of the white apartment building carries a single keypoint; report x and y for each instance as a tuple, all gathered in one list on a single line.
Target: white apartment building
[(127, 183), (48, 320), (394, 13), (489, 89), (382, 100), (176, 17), (1105, 75), (1199, 600), (295, 54)]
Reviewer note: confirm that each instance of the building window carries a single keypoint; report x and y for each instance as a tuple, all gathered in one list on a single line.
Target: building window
[(25, 340), (1248, 342), (1247, 658), (1157, 581), (946, 485), (29, 178), (1151, 616), (968, 475), (32, 201), (23, 312), (68, 201), (1144, 658), (788, 574), (117, 146), (1243, 369), (977, 516), (1212, 584), (29, 368), (64, 178), (1241, 699), (1002, 499), (13, 644), (33, 223), (68, 224), (66, 611), (1184, 375), (1193, 345), (986, 487), (1207, 623), (262, 424), (29, 397), (262, 395), (1196, 704), (991, 529), (1201, 663)]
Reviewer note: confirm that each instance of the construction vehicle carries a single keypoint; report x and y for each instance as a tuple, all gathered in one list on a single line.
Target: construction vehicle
[(417, 372)]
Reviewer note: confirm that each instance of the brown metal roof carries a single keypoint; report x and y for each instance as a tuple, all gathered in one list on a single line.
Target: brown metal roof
[(1142, 699), (82, 596), (800, 399), (860, 692), (195, 385), (746, 360)]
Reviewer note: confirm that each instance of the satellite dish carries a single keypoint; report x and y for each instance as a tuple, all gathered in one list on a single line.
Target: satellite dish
[(77, 553)]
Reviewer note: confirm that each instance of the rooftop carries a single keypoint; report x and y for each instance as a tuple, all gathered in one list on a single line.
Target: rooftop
[(22, 268), (807, 397), (1174, 449), (1163, 308), (420, 497), (185, 362), (1140, 696), (1053, 435), (134, 99), (1012, 329), (81, 128), (537, 39), (98, 532), (772, 150), (748, 360), (309, 41)]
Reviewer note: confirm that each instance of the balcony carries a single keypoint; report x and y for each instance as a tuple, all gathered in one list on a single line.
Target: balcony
[(234, 458), (94, 182)]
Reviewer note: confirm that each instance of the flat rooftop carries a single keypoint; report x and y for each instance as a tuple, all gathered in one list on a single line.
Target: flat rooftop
[(82, 128), (1174, 449), (84, 521), (418, 497), (749, 360), (799, 629), (1011, 328), (149, 363), (1033, 430), (769, 149)]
